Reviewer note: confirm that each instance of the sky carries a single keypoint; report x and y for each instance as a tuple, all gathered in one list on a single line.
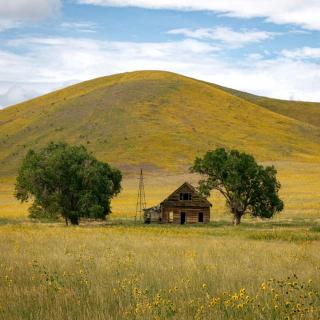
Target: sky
[(265, 47)]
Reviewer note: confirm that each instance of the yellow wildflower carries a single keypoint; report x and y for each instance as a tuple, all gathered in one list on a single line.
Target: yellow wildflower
[(263, 286)]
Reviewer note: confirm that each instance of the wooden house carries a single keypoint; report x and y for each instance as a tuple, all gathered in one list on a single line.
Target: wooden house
[(152, 215), (185, 205)]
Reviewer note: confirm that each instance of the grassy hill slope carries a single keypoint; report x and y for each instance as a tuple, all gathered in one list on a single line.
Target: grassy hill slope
[(308, 112), (156, 119)]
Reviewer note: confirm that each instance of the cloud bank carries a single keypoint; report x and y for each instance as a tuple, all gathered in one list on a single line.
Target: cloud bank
[(302, 53), (304, 13), (225, 35), (29, 9)]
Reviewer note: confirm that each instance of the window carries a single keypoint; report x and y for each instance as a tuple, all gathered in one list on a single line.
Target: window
[(185, 196)]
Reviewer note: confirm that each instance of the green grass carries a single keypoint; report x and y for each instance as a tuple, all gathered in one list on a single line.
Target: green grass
[(284, 235), (315, 229)]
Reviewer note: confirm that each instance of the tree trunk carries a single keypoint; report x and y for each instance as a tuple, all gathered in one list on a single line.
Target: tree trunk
[(74, 220), (66, 219), (237, 219)]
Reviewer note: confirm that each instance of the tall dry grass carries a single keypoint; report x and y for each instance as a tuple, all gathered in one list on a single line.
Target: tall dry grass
[(157, 272)]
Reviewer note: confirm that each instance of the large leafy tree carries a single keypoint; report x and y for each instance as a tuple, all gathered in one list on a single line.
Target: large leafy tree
[(246, 186), (66, 180)]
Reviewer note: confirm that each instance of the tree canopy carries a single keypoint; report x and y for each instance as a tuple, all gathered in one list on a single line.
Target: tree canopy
[(66, 180), (246, 186)]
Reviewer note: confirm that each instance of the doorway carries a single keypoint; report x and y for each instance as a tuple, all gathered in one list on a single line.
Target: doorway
[(200, 217), (183, 217)]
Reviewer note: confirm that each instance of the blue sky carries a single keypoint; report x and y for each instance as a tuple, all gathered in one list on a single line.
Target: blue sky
[(266, 47)]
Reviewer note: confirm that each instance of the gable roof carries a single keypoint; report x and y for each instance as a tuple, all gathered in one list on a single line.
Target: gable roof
[(193, 191)]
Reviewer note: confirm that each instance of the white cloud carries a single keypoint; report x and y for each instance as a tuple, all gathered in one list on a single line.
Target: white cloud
[(225, 34), (304, 13), (57, 62), (8, 24), (281, 78), (17, 92), (18, 10), (14, 13), (255, 56), (302, 53), (87, 27)]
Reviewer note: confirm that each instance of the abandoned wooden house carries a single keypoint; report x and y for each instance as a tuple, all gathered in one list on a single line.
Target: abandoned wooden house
[(185, 205)]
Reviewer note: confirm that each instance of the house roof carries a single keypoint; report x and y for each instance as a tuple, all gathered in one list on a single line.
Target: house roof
[(192, 189), (154, 208)]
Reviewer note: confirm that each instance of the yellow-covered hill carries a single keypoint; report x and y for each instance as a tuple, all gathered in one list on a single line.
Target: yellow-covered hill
[(308, 112), (159, 120)]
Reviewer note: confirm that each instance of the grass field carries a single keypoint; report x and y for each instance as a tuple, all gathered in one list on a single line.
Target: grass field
[(121, 270), (300, 191), (114, 271), (118, 269)]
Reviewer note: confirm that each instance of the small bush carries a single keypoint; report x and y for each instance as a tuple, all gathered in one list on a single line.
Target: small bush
[(284, 235), (315, 229)]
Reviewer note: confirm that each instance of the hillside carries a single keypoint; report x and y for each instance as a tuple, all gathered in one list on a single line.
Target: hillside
[(159, 120), (308, 112)]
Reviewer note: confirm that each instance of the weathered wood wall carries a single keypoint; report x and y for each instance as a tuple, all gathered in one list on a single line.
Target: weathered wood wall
[(152, 216), (192, 215), (174, 199), (191, 207)]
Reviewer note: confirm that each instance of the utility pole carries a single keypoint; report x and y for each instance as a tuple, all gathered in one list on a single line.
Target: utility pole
[(141, 199)]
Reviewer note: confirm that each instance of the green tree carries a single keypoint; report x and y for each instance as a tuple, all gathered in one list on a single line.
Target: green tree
[(246, 186), (66, 180)]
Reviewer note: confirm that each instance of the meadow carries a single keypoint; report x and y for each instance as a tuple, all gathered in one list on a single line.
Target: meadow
[(129, 271), (300, 191), (118, 269)]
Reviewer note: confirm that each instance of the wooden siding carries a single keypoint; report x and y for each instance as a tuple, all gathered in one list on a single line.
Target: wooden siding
[(185, 200), (152, 215), (196, 199), (192, 215)]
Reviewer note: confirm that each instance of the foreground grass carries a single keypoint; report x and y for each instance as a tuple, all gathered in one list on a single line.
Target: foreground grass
[(127, 271), (261, 270)]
